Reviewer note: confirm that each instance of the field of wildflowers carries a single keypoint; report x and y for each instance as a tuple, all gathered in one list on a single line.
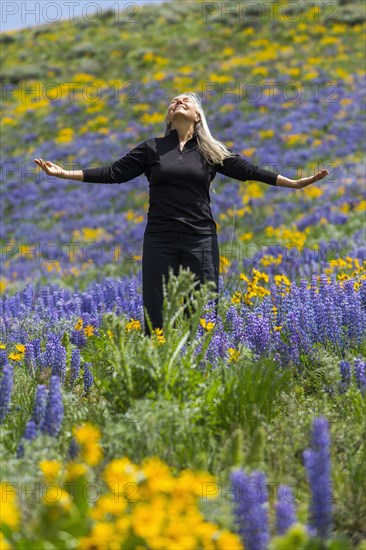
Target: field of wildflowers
[(241, 430)]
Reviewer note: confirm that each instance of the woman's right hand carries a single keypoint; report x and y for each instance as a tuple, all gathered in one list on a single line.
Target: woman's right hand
[(50, 168)]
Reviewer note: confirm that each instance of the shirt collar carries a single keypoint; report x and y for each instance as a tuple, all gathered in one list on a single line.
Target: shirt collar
[(174, 133), (191, 143)]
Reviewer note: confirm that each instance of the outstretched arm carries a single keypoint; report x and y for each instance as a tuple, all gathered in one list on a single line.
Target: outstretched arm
[(55, 170), (130, 166), (281, 181), (239, 168)]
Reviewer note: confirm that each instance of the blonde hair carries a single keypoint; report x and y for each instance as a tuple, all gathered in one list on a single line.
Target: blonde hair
[(213, 150)]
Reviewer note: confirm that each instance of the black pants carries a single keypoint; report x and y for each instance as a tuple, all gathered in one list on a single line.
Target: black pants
[(165, 250)]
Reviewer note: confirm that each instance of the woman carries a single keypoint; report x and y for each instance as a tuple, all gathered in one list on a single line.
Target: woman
[(179, 167)]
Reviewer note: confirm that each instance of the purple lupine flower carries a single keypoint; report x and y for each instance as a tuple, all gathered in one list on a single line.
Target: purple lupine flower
[(54, 411), (54, 356), (36, 344), (74, 365), (360, 373), (30, 433), (317, 463), (345, 368), (235, 325), (88, 302), (218, 345), (27, 295), (3, 357), (59, 361), (73, 449), (20, 450), (250, 509), (88, 378), (327, 311), (48, 356), (6, 389), (30, 358), (353, 318), (40, 404), (78, 338), (133, 303), (285, 509), (47, 298), (258, 333), (110, 292)]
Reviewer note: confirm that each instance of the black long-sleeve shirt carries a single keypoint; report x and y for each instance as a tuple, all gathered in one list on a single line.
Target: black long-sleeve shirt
[(179, 181)]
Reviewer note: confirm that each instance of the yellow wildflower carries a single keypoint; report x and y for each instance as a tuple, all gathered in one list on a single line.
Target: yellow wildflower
[(86, 432), (197, 484), (146, 524), (134, 324), (75, 470), (246, 236), (15, 356), (88, 437), (9, 514), (89, 330), (158, 475), (4, 545), (233, 354), (282, 279), (103, 535), (244, 277), (20, 347), (57, 495), (50, 469), (236, 298), (79, 324), (108, 504), (160, 335), (228, 540), (224, 264), (120, 472), (206, 325), (260, 274), (261, 291)]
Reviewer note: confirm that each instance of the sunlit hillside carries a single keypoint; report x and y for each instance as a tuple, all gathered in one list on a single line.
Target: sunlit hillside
[(285, 90), (269, 394)]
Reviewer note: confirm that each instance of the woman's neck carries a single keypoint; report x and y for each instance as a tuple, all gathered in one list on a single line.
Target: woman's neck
[(185, 131)]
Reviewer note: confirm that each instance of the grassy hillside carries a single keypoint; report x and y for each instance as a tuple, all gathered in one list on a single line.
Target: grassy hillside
[(275, 385), (86, 92)]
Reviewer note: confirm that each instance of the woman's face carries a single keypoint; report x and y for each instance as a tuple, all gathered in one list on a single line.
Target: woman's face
[(182, 106)]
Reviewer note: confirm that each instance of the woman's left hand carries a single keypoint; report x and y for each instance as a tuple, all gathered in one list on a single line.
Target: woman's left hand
[(303, 182)]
